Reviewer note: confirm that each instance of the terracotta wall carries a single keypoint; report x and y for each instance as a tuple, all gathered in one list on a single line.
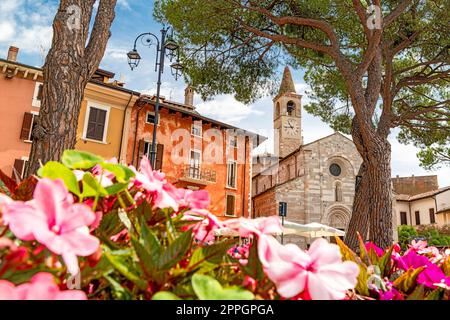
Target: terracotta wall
[(172, 162), (414, 185), (16, 97)]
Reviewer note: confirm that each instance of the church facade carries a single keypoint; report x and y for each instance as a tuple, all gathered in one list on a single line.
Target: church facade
[(316, 180)]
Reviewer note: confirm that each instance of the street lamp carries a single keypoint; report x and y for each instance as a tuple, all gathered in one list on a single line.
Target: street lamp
[(165, 46)]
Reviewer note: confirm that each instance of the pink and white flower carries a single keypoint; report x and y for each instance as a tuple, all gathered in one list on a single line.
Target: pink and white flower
[(204, 229), (41, 287), (319, 273), (55, 221), (258, 226), (155, 184)]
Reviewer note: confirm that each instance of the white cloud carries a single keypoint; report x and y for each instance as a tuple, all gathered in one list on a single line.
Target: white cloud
[(26, 24), (6, 31), (225, 108)]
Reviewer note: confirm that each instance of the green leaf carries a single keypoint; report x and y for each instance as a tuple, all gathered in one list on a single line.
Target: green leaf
[(116, 188), (175, 251), (147, 261), (165, 295), (207, 258), (119, 292), (122, 173), (92, 187), (254, 267), (407, 281), (418, 293), (122, 263), (385, 262), (348, 254), (55, 170), (151, 242), (75, 159), (110, 224), (208, 288), (211, 254), (436, 294)]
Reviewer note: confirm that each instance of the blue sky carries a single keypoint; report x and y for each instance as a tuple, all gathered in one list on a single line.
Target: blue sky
[(27, 24)]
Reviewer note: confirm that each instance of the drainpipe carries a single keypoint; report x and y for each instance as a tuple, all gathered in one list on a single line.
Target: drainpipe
[(410, 214), (245, 178), (135, 132), (123, 126)]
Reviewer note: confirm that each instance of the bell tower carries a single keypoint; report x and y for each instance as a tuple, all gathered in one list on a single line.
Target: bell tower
[(287, 117)]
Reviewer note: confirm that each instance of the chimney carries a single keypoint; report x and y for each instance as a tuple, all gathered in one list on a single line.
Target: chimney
[(189, 96), (12, 54)]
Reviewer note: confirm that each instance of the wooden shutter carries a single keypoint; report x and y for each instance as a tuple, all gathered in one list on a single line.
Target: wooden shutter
[(141, 150), (19, 166), (230, 205), (159, 156), (92, 121), (96, 124), (26, 126)]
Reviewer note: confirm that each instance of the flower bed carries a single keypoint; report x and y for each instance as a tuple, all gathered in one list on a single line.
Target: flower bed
[(88, 228)]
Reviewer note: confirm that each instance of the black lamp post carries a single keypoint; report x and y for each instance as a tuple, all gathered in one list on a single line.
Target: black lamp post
[(165, 46)]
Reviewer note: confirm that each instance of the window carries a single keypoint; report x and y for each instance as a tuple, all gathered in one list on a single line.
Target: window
[(417, 214), (37, 96), (432, 216), (403, 220), (29, 122), (96, 123), (230, 205), (338, 192), (195, 164), (233, 141), (19, 169), (145, 149), (291, 108), (335, 170), (231, 174), (197, 128), (150, 118)]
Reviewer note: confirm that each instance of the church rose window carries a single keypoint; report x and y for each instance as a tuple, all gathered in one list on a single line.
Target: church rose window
[(335, 170)]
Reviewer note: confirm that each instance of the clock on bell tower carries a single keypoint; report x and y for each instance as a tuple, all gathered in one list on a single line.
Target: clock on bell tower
[(287, 117)]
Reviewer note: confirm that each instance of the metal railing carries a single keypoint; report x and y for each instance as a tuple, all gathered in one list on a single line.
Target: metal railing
[(197, 173)]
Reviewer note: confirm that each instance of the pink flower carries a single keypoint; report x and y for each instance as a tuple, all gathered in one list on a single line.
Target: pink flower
[(370, 245), (204, 229), (41, 287), (412, 260), (259, 226), (432, 277), (319, 273), (154, 183), (418, 245), (52, 219), (104, 176), (390, 294), (186, 198)]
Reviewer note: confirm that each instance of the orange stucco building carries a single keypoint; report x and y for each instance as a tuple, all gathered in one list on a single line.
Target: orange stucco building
[(101, 124), (196, 152)]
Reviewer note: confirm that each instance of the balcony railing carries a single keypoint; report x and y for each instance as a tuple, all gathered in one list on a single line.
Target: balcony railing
[(197, 174)]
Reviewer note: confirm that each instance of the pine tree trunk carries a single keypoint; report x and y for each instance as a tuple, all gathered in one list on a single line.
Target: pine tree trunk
[(69, 65), (372, 207)]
